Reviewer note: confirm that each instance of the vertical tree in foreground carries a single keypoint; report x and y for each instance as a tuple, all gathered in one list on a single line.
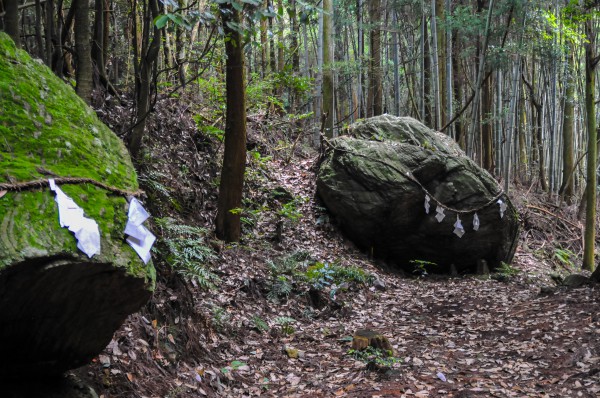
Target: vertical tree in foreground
[(590, 85), (328, 89), (228, 225)]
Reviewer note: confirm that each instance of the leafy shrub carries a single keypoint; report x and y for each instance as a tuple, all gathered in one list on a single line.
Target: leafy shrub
[(290, 210), (183, 248), (565, 256), (506, 270), (320, 275), (284, 273), (220, 317), (286, 324), (260, 324), (371, 355), (420, 266)]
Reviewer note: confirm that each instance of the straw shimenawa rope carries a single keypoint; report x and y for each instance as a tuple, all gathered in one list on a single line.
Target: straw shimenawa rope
[(36, 184)]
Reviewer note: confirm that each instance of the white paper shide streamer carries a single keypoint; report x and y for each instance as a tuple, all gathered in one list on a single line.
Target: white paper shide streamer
[(140, 238), (476, 223), (458, 228), (502, 207), (440, 213), (70, 216)]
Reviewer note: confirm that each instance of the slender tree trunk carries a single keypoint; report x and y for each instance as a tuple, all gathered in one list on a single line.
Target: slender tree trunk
[(328, 51), (49, 31), (294, 36), (280, 44), (426, 78), (148, 58), (448, 108), (459, 131), (436, 72), (84, 71), (375, 88), (228, 225), (486, 128), (39, 40), (98, 50), (523, 161), (11, 20), (395, 61), (264, 45), (272, 56), (566, 189), (360, 54), (591, 180)]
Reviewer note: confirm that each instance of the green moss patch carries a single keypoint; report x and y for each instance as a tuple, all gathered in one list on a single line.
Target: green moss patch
[(46, 129)]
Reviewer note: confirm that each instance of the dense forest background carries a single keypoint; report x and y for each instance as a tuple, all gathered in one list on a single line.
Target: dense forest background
[(224, 106), (513, 82)]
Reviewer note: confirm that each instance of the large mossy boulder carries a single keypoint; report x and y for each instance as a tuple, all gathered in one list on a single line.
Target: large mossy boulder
[(375, 179), (59, 308)]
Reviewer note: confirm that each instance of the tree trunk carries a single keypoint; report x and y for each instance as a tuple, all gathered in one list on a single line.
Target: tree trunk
[(264, 44), (39, 40), (426, 77), (566, 190), (523, 169), (436, 72), (228, 225), (590, 86), (328, 89), (49, 31), (486, 128), (360, 53), (98, 50), (148, 56), (84, 71), (375, 89), (11, 20), (280, 44)]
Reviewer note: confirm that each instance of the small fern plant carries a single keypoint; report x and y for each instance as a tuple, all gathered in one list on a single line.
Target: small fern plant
[(184, 249)]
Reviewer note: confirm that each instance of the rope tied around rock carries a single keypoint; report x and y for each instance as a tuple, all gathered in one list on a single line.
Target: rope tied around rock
[(37, 184), (412, 178)]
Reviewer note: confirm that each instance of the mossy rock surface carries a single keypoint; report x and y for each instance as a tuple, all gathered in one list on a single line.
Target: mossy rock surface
[(58, 308), (374, 181)]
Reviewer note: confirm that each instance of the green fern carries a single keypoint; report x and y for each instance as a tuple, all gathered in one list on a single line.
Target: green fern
[(184, 249)]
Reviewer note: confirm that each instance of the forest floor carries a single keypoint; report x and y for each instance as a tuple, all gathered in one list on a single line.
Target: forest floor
[(514, 333)]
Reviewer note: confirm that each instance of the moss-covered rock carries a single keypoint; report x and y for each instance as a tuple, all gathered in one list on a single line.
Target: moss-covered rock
[(58, 308), (375, 180)]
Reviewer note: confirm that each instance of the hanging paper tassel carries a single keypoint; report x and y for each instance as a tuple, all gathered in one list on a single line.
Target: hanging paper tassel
[(476, 222), (427, 205), (458, 228), (502, 207), (440, 213)]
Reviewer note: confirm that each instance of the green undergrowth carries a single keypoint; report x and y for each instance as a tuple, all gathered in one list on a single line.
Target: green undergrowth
[(376, 356), (297, 272), (185, 249)]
